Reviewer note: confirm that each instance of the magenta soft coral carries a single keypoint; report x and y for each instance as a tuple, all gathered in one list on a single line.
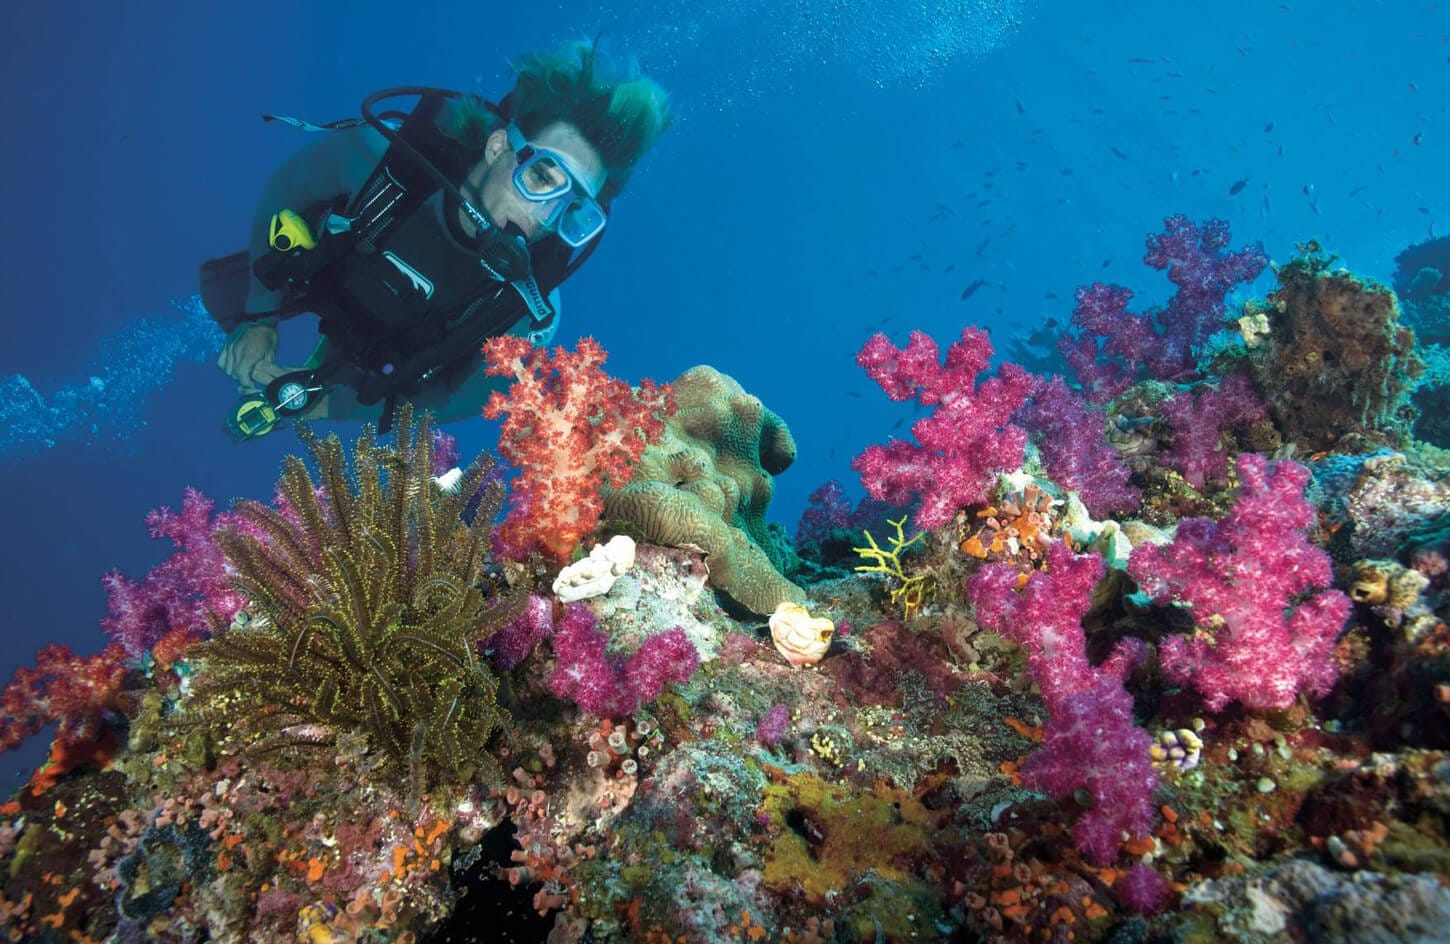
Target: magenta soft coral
[(1089, 740), (1199, 264), (1259, 593), (1112, 347), (570, 428), (1200, 418), (180, 591), (612, 686), (967, 439), (1071, 437)]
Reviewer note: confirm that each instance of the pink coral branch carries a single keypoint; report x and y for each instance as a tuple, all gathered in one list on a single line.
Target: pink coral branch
[(963, 444), (613, 686), (183, 589), (1089, 741), (1266, 620)]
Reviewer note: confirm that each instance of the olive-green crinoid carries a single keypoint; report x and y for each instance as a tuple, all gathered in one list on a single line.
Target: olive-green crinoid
[(368, 595)]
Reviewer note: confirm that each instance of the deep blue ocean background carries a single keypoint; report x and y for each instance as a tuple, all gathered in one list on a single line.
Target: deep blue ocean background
[(837, 167)]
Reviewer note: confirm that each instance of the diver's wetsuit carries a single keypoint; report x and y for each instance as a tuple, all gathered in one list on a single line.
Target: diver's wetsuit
[(339, 163)]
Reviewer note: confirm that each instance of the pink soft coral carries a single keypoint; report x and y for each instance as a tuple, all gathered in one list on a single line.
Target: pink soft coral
[(1258, 591), (965, 442), (612, 686), (570, 428), (1089, 741), (181, 591)]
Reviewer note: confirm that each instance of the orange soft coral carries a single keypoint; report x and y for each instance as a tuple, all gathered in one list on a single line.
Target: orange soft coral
[(570, 428)]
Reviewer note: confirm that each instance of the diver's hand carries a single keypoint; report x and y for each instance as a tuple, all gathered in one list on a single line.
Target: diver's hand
[(249, 356)]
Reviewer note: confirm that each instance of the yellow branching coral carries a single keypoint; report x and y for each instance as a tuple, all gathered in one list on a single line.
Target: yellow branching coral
[(912, 590)]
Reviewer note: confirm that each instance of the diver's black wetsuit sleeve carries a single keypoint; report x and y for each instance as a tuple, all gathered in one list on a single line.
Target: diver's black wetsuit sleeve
[(337, 163)]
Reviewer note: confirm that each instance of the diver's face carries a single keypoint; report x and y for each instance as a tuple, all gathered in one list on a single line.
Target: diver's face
[(491, 179)]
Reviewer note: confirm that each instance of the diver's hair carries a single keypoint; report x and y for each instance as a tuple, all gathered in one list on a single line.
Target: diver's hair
[(620, 111), (467, 120)]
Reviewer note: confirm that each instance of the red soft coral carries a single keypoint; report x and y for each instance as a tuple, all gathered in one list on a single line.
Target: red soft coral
[(965, 442), (570, 428), (73, 691)]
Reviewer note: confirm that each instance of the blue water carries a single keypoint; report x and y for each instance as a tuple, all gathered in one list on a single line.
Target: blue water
[(831, 162)]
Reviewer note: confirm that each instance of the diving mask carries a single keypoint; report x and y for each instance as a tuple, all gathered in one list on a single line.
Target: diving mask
[(566, 197)]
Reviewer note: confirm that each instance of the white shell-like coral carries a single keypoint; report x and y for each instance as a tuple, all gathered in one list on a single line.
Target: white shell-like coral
[(592, 576), (802, 638)]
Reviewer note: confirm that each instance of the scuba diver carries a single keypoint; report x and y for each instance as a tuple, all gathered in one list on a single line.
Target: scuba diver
[(414, 236)]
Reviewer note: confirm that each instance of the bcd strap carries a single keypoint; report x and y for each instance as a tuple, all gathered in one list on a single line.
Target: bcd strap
[(539, 308), (339, 125), (393, 118)]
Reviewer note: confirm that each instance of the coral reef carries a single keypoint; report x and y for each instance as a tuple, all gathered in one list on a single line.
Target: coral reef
[(1155, 663)]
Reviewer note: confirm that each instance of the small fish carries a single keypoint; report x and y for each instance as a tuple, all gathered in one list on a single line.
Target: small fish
[(1237, 187), (970, 290), (1268, 127), (1424, 210), (1281, 151), (1359, 190), (1414, 87), (854, 393), (1020, 109), (1140, 62), (950, 267), (1106, 263), (1309, 190), (982, 246), (1314, 207), (1066, 172), (1419, 136), (898, 423), (1117, 153)]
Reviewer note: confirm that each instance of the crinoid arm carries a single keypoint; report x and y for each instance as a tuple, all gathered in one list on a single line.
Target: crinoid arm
[(367, 599)]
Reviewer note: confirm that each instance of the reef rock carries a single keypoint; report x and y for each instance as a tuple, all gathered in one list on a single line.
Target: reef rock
[(1337, 361)]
